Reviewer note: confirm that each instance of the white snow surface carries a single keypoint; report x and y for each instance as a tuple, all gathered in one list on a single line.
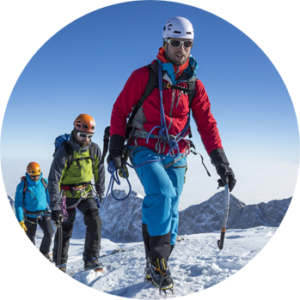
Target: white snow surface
[(195, 264)]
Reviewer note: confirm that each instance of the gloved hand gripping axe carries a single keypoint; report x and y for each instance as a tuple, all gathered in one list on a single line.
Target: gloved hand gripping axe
[(225, 218)]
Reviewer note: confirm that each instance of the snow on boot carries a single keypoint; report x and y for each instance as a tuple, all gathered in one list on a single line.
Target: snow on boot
[(147, 271), (160, 274), (93, 264)]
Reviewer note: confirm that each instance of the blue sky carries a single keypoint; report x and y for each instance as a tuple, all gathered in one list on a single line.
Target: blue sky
[(60, 60), (84, 66)]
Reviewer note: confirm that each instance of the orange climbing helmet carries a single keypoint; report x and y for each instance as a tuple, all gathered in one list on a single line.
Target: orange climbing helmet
[(85, 123), (33, 169)]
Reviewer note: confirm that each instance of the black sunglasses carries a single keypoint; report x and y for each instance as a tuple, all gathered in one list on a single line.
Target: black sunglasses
[(177, 43), (84, 135)]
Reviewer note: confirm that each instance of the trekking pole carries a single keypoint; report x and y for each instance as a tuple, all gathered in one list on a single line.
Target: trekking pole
[(59, 242), (226, 213)]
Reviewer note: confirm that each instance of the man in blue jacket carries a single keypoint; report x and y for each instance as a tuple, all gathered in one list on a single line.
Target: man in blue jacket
[(32, 206)]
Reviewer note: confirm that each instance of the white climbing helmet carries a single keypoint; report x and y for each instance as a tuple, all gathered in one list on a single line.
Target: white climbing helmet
[(178, 27)]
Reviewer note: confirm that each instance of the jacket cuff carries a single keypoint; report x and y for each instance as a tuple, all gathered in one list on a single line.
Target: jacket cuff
[(218, 157), (116, 142)]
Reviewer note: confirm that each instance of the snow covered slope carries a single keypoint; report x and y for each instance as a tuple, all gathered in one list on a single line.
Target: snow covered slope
[(196, 262), (122, 220)]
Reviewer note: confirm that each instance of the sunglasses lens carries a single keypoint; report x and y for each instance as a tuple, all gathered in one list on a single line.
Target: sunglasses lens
[(188, 44), (175, 43), (83, 135)]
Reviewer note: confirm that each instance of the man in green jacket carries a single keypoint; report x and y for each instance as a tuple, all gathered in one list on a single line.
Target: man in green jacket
[(72, 170)]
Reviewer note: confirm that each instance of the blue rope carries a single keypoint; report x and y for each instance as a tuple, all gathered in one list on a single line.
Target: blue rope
[(163, 131), (115, 178)]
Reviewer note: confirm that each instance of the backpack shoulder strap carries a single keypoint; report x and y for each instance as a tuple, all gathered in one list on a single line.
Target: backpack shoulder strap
[(151, 84), (191, 95), (69, 151), (44, 183), (23, 178), (192, 92), (92, 154)]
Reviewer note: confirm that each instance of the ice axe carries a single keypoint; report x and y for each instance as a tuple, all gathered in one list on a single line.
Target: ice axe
[(226, 213)]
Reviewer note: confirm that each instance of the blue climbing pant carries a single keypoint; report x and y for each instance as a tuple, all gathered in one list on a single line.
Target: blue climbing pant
[(163, 187)]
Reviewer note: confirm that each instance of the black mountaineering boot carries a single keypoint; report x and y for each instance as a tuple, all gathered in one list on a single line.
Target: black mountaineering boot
[(93, 264), (147, 271), (160, 274)]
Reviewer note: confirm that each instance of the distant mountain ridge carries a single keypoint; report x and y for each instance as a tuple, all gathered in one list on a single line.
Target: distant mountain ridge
[(207, 216), (122, 220)]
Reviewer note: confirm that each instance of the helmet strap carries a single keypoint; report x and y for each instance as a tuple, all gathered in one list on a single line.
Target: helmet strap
[(165, 46)]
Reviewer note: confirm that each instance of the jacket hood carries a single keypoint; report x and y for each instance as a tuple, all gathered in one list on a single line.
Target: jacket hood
[(31, 182)]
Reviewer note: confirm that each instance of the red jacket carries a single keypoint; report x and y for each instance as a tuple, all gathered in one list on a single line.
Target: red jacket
[(176, 108)]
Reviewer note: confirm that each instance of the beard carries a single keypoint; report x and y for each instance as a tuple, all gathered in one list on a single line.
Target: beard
[(175, 60), (84, 143)]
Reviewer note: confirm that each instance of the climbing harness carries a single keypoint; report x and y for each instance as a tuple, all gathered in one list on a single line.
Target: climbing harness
[(37, 215), (83, 195)]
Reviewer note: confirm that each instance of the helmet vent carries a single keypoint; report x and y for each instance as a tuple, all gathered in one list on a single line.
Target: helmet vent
[(177, 31)]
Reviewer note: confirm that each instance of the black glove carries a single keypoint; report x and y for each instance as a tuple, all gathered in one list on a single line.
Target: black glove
[(116, 145), (99, 197), (116, 157), (220, 161), (57, 216)]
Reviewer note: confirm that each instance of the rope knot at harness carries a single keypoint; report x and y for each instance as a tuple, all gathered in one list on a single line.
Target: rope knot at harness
[(173, 146)]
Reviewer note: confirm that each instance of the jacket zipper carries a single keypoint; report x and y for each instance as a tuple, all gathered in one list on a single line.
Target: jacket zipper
[(179, 96)]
